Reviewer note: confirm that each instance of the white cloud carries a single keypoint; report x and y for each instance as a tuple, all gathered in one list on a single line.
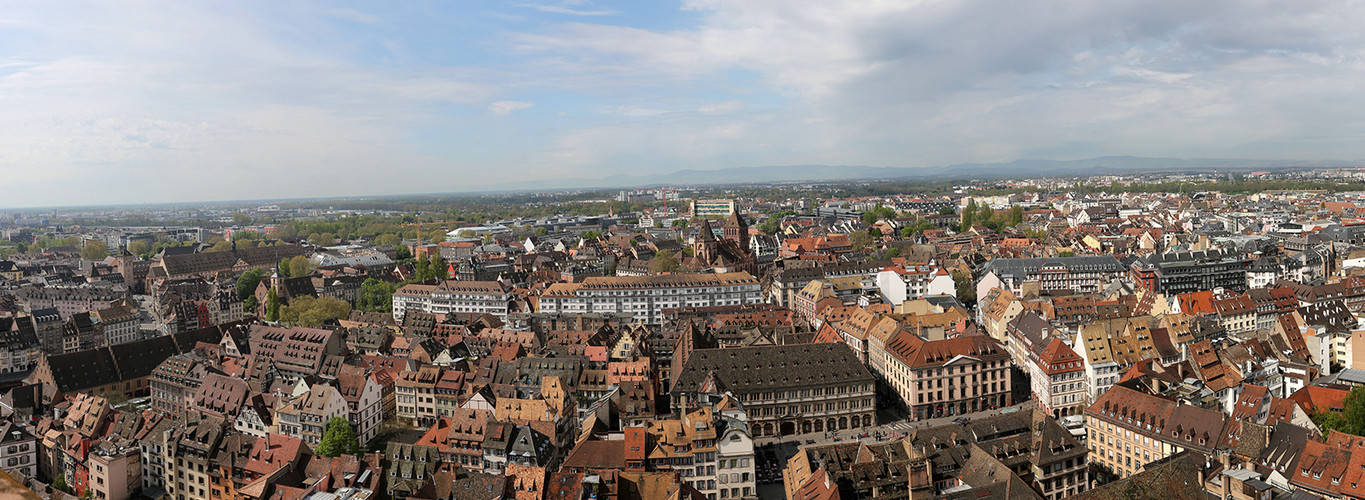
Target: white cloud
[(936, 81), (507, 107)]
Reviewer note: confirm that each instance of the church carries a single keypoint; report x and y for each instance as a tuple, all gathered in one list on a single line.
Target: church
[(729, 254)]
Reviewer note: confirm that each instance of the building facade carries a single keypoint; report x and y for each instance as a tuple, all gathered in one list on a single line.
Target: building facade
[(646, 297), (463, 297), (946, 377), (785, 389)]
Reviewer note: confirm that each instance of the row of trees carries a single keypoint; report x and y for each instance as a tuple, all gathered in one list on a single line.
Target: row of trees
[(983, 214)]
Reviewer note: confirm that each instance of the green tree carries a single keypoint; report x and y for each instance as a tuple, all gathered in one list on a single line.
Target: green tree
[(272, 306), (966, 290), (1353, 409), (422, 270), (94, 250), (1016, 216), (247, 283), (339, 439), (283, 268), (947, 210), (969, 214), (240, 219), (875, 232), (540, 231), (861, 240), (375, 295), (402, 253), (681, 222), (1066, 253), (664, 262), (771, 225), (300, 266), (249, 304), (1351, 420), (439, 269), (138, 247), (322, 239), (387, 240), (313, 311), (59, 483)]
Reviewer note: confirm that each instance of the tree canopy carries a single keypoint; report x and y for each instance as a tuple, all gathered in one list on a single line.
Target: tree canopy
[(339, 439), (94, 250), (665, 262), (272, 306), (300, 266), (313, 311), (375, 295), (247, 283), (966, 290)]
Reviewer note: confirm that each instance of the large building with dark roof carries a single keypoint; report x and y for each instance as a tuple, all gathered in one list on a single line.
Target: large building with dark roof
[(118, 369), (786, 389), (1180, 272), (1077, 274), (208, 263)]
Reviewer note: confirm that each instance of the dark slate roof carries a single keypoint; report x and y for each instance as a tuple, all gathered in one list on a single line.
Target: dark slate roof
[(121, 362), (1190, 257), (1171, 478), (773, 366), (214, 261), (1024, 267), (84, 369)]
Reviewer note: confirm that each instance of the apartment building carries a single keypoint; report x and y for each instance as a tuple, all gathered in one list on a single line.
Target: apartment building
[(1078, 274), (1056, 373), (296, 352), (453, 297), (114, 471), (1180, 272), (307, 416), (117, 324), (1127, 429), (189, 459), (955, 376), (646, 297), (901, 283), (364, 401), (415, 395), (18, 450)]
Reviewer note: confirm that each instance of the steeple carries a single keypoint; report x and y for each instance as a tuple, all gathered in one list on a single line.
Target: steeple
[(737, 230)]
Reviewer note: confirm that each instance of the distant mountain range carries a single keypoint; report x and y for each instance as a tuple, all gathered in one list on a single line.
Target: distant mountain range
[(1017, 168)]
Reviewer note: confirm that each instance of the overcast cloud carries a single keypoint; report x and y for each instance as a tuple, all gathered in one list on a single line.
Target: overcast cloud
[(124, 102)]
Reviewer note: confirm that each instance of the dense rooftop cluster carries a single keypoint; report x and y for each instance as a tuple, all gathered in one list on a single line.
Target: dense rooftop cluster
[(1045, 343)]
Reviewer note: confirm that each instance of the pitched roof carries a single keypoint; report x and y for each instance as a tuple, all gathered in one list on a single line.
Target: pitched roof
[(773, 366)]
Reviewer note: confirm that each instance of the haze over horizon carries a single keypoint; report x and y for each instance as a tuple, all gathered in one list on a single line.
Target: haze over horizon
[(106, 103)]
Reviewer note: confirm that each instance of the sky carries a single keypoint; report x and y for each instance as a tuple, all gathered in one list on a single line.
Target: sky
[(137, 102)]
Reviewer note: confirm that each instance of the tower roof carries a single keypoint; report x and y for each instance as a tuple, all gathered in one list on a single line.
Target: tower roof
[(734, 220), (704, 231)]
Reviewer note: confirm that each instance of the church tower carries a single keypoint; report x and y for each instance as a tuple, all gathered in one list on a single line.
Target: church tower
[(737, 230)]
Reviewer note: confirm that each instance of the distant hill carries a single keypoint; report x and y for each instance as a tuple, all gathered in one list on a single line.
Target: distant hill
[(1017, 168)]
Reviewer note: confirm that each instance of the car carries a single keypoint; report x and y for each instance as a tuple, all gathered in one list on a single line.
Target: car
[(961, 420)]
